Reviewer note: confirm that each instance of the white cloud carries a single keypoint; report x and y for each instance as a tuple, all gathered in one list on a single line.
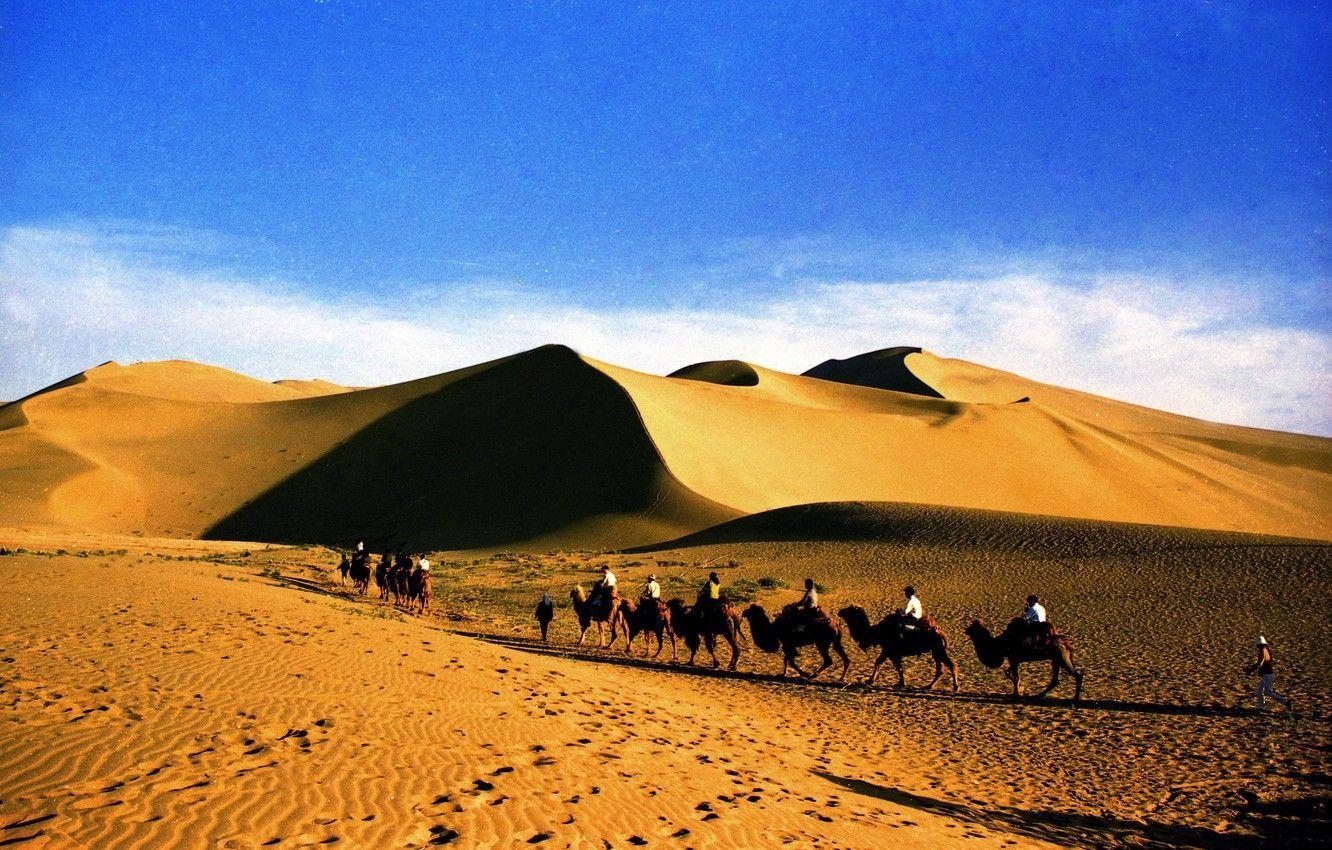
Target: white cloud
[(74, 297)]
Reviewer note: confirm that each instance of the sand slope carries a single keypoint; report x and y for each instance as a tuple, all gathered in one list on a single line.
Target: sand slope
[(547, 448), (514, 450)]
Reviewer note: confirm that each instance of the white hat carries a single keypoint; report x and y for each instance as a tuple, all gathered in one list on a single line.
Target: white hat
[(425, 565), (1262, 641)]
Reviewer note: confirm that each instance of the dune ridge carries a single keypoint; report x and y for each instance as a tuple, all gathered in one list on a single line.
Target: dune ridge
[(551, 449)]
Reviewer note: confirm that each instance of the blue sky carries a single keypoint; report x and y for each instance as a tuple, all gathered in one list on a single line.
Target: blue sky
[(609, 158)]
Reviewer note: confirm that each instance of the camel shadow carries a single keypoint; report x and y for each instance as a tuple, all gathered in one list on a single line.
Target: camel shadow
[(1085, 830), (616, 657)]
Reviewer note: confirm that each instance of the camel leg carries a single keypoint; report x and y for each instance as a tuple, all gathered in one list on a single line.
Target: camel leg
[(675, 655), (846, 662), (938, 674), (735, 650), (1012, 673), (1066, 658), (789, 657), (1054, 677), (952, 668), (878, 662), (710, 641), (827, 661), (901, 673), (583, 634)]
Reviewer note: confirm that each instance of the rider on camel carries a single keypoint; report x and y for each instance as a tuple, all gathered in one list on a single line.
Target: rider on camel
[(1038, 625), (710, 594), (910, 614), (604, 589), (652, 590)]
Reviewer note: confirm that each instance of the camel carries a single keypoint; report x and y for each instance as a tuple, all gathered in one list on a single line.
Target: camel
[(790, 631), (418, 590), (651, 617), (610, 615), (894, 644), (399, 578), (360, 573), (1012, 648), (381, 576), (706, 623)]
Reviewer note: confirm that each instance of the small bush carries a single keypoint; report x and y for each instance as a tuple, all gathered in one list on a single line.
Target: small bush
[(742, 590), (271, 572), (770, 583)]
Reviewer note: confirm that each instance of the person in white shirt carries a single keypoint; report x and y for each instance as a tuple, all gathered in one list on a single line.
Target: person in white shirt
[(424, 565), (607, 578), (1035, 611), (912, 609), (810, 600), (910, 613), (652, 590)]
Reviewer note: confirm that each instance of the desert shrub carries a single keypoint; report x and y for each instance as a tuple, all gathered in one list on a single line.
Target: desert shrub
[(742, 590), (770, 583)]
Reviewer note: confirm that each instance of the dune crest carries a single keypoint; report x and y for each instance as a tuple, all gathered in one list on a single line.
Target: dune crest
[(548, 448)]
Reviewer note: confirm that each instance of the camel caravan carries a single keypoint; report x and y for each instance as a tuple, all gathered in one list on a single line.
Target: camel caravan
[(907, 632), (401, 577)]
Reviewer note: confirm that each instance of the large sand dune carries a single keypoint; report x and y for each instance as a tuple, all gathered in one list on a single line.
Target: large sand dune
[(548, 448)]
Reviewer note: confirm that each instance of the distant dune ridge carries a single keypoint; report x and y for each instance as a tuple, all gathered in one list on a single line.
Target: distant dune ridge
[(549, 449)]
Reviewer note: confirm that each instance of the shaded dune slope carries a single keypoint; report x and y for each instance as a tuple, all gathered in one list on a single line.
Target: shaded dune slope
[(540, 447), (905, 524), (734, 373), (885, 369)]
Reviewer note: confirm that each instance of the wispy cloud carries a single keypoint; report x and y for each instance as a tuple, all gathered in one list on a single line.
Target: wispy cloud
[(72, 297)]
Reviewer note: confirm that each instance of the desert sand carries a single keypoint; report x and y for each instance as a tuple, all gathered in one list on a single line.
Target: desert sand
[(203, 694), (180, 665)]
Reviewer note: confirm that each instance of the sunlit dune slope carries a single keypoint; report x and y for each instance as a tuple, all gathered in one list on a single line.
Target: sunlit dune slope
[(550, 449), (536, 447), (790, 440)]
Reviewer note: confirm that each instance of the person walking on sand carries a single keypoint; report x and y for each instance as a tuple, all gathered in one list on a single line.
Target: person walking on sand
[(545, 612), (1266, 678)]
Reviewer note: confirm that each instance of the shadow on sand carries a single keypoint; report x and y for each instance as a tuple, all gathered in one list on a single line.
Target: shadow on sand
[(1083, 830), (616, 656)]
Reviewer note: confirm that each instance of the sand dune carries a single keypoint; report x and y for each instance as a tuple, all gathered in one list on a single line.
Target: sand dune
[(547, 448)]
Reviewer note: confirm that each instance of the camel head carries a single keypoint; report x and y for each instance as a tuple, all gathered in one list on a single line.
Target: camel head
[(577, 594), (755, 612), (857, 621), (977, 629)]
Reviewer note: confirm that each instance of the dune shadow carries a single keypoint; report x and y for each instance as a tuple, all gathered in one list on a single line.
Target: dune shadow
[(1074, 829), (518, 449), (905, 523)]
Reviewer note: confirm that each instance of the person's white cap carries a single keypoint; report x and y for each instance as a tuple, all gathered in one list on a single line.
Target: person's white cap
[(652, 577), (1262, 641)]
